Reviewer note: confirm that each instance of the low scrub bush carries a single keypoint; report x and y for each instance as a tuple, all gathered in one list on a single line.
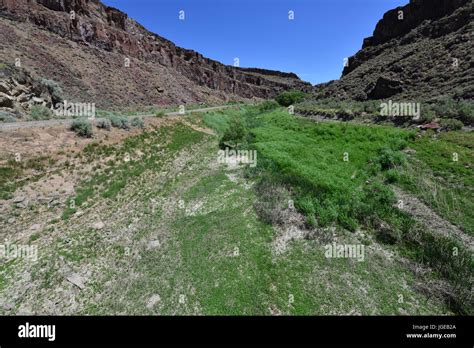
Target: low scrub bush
[(290, 98), (138, 122), (451, 124), (82, 128), (104, 123), (119, 122), (40, 112), (267, 105), (54, 89), (389, 158), (234, 134)]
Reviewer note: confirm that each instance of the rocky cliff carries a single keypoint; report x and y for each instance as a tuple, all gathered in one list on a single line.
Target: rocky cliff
[(422, 50), (98, 54)]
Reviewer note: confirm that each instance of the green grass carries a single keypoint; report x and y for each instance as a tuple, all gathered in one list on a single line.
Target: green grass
[(308, 159), (196, 258), (444, 184)]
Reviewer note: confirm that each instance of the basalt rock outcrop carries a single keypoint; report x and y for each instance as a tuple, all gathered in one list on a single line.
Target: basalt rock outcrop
[(98, 54), (423, 50)]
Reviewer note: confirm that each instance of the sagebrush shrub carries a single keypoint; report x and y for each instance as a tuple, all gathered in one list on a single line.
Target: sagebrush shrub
[(104, 123), (40, 112), (82, 128), (138, 122), (119, 122)]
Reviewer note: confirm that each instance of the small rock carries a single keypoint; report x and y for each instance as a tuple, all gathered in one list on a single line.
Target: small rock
[(77, 280), (37, 100), (8, 306), (153, 244), (35, 227), (98, 225), (19, 199), (53, 203), (23, 204), (152, 301)]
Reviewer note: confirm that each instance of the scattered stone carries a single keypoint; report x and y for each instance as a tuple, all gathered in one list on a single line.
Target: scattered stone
[(11, 220), (152, 301), (35, 227), (8, 306), (19, 199), (153, 244), (432, 125), (77, 280), (37, 100), (23, 204), (98, 225)]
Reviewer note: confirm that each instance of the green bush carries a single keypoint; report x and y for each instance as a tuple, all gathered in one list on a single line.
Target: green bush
[(138, 122), (451, 124), (40, 112), (82, 128), (290, 98), (392, 176), (119, 122), (54, 89), (389, 158), (234, 134), (7, 117), (267, 105), (104, 123)]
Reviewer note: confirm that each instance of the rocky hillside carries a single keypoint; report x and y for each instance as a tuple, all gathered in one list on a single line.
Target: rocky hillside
[(422, 50), (97, 54)]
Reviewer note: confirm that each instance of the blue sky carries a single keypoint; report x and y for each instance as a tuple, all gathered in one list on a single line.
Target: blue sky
[(259, 33)]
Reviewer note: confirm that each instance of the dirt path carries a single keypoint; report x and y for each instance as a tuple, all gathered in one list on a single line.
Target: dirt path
[(51, 123), (427, 216)]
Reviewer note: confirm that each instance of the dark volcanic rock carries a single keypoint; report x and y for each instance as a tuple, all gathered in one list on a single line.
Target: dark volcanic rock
[(385, 88), (86, 54), (426, 44)]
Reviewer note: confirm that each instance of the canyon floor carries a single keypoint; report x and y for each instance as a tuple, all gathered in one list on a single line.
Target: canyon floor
[(148, 221)]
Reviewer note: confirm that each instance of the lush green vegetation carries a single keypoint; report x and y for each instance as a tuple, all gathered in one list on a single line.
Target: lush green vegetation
[(217, 225), (339, 173), (440, 173), (454, 113), (288, 98)]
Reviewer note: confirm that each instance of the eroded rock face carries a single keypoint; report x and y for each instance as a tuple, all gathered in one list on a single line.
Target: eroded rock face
[(93, 25), (424, 46), (19, 92), (402, 20)]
